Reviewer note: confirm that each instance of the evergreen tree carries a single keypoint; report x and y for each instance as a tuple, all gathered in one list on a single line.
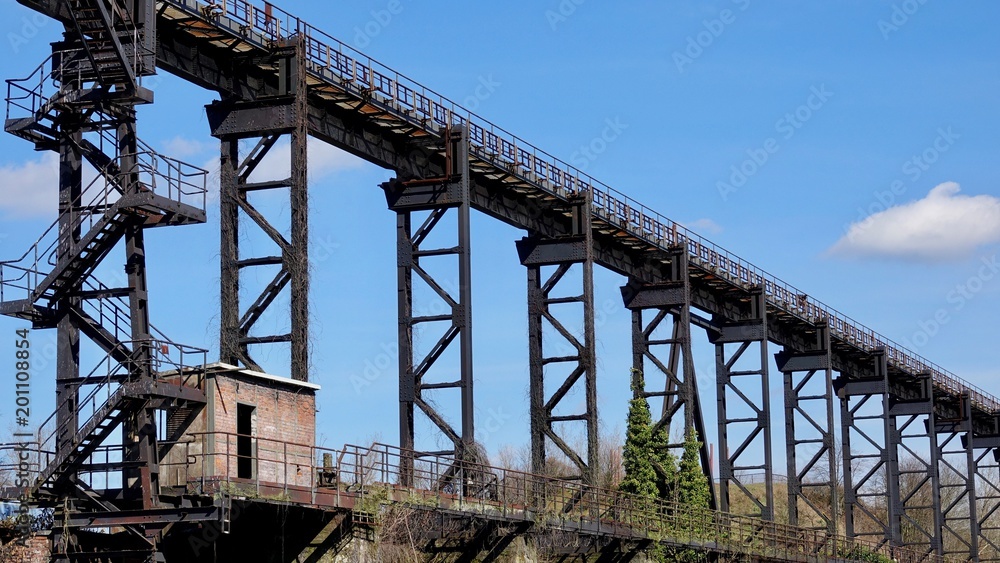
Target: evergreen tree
[(692, 485), (640, 476)]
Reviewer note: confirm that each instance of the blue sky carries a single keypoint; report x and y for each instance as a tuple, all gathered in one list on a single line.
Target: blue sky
[(849, 148)]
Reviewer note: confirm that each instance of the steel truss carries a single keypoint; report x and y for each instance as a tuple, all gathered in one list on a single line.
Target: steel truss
[(267, 120), (957, 478), (437, 197), (679, 395), (747, 423), (811, 452), (870, 462), (912, 426), (567, 348)]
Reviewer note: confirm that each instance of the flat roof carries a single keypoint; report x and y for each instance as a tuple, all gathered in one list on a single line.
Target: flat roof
[(226, 369)]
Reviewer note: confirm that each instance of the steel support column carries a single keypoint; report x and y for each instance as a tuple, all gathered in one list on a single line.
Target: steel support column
[(912, 427), (423, 375), (869, 456), (140, 427), (986, 464), (957, 477), (567, 361), (651, 343), (809, 435), (267, 120), (744, 408), (67, 335)]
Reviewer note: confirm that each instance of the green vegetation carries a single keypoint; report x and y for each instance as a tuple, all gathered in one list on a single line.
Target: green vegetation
[(652, 472), (640, 475)]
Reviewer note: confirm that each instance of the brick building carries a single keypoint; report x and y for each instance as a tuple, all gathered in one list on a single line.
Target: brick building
[(255, 427)]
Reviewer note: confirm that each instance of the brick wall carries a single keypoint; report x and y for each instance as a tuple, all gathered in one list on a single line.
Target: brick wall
[(284, 427)]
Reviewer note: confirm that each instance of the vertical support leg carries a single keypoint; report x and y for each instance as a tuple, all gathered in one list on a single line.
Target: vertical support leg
[(956, 473), (140, 428), (573, 349), (229, 254), (913, 424), (588, 353), (298, 260), (812, 480), (983, 446), (748, 386), (430, 201), (407, 384), (231, 122), (868, 455), (463, 313), (536, 369), (67, 335)]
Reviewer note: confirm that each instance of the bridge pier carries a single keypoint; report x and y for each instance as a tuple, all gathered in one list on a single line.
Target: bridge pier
[(871, 498), (572, 349), (435, 197), (808, 378), (986, 463), (957, 477), (748, 386), (912, 427), (266, 119), (679, 393)]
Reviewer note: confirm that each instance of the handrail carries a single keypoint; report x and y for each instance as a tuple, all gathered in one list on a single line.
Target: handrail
[(168, 177), (110, 372), (388, 474), (347, 68)]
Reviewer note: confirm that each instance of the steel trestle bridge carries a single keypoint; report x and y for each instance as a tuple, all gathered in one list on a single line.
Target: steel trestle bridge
[(916, 473)]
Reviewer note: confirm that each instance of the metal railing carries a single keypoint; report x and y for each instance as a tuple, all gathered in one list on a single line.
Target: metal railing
[(367, 478), (105, 383), (170, 178), (356, 73)]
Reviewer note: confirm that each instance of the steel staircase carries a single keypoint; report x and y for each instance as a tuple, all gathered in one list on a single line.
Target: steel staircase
[(110, 39), (117, 395), (143, 189), (82, 96)]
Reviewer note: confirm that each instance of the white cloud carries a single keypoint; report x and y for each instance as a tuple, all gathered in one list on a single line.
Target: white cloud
[(704, 226), (31, 188), (183, 148), (942, 226)]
